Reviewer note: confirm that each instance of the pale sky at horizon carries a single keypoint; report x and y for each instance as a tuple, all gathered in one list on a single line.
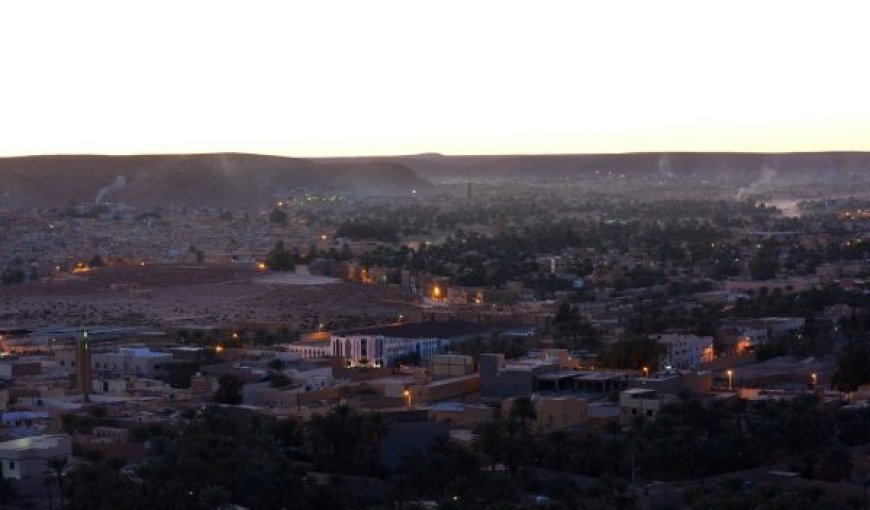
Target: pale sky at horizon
[(330, 78)]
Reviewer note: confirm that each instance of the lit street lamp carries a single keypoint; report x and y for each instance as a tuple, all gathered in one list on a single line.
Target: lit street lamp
[(730, 378), (407, 394), (646, 372)]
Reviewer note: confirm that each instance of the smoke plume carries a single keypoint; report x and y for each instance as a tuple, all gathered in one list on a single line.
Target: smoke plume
[(768, 174), (119, 183), (665, 169)]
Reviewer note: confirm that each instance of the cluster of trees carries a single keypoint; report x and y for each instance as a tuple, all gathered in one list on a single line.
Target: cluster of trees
[(345, 441), (280, 258), (377, 230), (690, 439), (475, 346), (684, 233), (659, 228), (230, 455), (767, 303), (633, 352), (765, 263), (853, 366), (814, 339), (229, 390), (12, 276), (508, 441), (572, 331), (224, 455), (278, 217)]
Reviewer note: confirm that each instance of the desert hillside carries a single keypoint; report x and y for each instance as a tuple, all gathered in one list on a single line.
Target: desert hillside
[(210, 180)]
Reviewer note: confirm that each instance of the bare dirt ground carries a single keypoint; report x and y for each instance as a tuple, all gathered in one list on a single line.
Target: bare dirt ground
[(194, 295)]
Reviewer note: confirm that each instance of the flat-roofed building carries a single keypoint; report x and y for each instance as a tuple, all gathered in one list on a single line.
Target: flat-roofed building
[(384, 345), (451, 365), (642, 402), (684, 351), (500, 379), (12, 368), (26, 457), (554, 412), (139, 361), (461, 415), (310, 350)]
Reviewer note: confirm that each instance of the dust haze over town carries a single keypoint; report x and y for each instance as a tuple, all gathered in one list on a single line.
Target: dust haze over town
[(667, 309)]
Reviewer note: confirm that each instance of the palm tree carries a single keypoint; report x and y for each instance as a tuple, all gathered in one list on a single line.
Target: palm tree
[(8, 489), (374, 428), (48, 482), (56, 465), (489, 439), (556, 446), (523, 409)]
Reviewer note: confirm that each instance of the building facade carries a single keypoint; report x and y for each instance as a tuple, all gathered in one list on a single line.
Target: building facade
[(383, 346), (26, 458), (682, 352), (138, 361)]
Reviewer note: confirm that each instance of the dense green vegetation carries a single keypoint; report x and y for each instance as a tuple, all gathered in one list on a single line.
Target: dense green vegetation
[(223, 455), (280, 258)]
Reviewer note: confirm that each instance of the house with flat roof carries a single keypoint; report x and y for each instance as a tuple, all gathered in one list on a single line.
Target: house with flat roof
[(642, 402), (26, 457), (139, 361)]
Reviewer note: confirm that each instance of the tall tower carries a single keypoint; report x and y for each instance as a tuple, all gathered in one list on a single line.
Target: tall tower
[(83, 364)]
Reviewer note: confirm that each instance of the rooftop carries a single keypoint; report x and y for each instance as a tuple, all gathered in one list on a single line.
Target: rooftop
[(143, 352), (639, 391), (36, 442), (430, 329), (555, 376)]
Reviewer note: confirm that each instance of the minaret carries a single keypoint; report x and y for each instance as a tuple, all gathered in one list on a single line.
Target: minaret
[(83, 365)]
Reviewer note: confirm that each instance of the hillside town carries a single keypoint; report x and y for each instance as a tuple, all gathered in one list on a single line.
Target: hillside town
[(589, 341)]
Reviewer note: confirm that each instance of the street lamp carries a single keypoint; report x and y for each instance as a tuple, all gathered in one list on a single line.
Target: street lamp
[(646, 372), (815, 377), (730, 378), (407, 394)]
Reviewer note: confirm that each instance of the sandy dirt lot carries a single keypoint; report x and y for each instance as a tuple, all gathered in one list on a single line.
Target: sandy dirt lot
[(194, 295)]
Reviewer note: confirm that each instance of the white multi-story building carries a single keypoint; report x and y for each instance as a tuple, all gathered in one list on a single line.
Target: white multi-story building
[(684, 351), (382, 346), (310, 350), (139, 361)]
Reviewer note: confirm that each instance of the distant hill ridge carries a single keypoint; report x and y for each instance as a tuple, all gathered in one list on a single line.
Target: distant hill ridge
[(202, 180), (740, 166), (250, 180)]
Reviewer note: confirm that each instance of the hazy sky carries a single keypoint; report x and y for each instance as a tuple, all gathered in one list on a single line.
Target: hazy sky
[(367, 77)]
